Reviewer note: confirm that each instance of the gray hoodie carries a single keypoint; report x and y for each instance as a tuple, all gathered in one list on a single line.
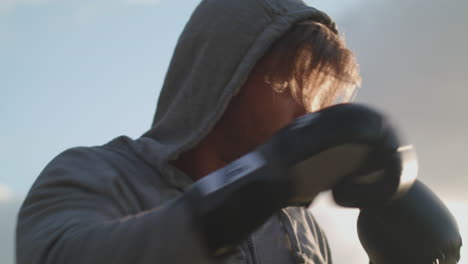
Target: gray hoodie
[(119, 203)]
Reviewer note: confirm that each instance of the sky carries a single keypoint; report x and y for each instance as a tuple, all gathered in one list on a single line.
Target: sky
[(79, 73)]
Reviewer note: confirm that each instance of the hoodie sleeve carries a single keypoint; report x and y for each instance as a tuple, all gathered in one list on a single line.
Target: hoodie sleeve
[(71, 216)]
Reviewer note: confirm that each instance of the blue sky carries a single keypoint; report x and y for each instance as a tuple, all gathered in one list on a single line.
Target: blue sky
[(76, 73)]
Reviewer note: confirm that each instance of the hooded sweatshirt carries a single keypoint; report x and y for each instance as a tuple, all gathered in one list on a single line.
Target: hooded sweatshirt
[(119, 203)]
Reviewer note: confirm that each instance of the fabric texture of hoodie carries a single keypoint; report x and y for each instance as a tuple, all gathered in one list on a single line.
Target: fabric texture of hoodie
[(118, 203)]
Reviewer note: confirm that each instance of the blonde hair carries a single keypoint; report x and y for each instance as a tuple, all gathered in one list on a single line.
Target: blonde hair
[(312, 62)]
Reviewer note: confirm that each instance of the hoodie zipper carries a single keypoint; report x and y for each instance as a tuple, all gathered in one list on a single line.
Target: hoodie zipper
[(251, 248)]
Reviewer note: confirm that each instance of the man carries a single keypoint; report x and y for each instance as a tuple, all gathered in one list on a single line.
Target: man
[(241, 70)]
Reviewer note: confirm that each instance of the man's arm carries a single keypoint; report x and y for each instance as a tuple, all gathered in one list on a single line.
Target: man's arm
[(70, 216)]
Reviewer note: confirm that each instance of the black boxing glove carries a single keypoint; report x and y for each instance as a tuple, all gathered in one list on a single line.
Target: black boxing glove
[(415, 229), (312, 154)]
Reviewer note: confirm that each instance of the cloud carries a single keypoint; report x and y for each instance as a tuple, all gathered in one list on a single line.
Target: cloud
[(85, 14), (5, 193), (142, 2), (6, 6)]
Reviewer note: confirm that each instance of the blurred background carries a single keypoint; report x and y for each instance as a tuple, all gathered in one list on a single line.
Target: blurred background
[(79, 73)]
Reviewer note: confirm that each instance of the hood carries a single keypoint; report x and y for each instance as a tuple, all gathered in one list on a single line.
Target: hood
[(215, 53)]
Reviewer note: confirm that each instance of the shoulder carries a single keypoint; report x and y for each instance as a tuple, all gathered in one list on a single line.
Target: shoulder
[(110, 173), (107, 169), (105, 161)]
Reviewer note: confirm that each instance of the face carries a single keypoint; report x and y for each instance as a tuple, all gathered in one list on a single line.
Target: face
[(251, 118), (255, 114)]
